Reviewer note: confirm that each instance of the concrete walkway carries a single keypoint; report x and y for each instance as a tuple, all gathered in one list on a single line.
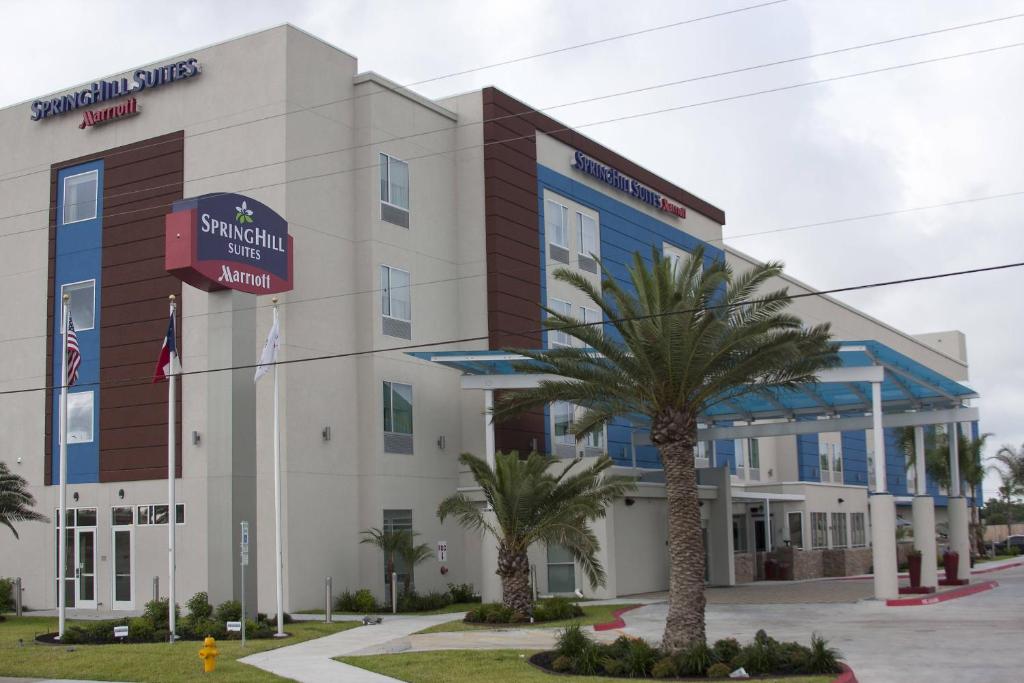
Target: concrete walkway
[(311, 661)]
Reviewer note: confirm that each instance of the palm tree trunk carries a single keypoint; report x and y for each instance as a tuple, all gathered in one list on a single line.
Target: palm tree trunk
[(514, 570), (685, 623)]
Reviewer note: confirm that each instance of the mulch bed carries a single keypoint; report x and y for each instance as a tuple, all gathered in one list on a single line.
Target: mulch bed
[(543, 661)]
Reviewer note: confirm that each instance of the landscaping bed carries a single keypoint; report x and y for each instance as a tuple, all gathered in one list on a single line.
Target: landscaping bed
[(459, 597), (577, 653), (494, 616)]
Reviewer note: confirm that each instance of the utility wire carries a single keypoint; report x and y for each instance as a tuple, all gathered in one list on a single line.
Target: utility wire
[(426, 345), (555, 106), (399, 88)]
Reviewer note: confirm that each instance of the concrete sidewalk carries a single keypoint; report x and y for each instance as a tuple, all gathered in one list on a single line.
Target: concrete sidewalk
[(312, 661)]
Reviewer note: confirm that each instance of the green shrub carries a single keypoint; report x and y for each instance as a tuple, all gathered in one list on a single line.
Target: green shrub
[(572, 640), (92, 633), (345, 602), (556, 609), (822, 659), (726, 649), (793, 658), (229, 610), (463, 592), (719, 670), (639, 658), (414, 602), (588, 661), (490, 613), (562, 664), (6, 595), (665, 668), (365, 602), (140, 630), (272, 619), (199, 606), (695, 660), (156, 611), (612, 666), (207, 627)]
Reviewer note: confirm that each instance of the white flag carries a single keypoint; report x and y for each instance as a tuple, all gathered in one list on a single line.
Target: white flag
[(269, 355)]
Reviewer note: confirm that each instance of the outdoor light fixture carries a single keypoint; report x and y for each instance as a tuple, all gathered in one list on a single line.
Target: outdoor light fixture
[(75, 496), (630, 502), (326, 433), (195, 438), (120, 494), (841, 501), (440, 442)]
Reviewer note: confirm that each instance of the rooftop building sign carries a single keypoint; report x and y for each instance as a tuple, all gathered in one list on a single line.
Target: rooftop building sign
[(103, 91), (623, 183)]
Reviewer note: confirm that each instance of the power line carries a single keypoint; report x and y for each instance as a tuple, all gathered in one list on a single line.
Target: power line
[(633, 91), (507, 139), (463, 340), (399, 87)]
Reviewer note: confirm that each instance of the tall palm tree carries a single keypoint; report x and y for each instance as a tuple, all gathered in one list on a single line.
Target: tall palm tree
[(529, 504), (16, 502), (413, 555), (692, 336), (1010, 465), (390, 543)]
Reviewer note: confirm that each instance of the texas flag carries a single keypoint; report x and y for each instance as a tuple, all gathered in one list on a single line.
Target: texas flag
[(168, 363)]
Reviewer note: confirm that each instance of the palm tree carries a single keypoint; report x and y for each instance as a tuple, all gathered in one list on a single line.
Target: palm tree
[(390, 543), (16, 502), (413, 555), (694, 335), (1010, 465), (527, 504)]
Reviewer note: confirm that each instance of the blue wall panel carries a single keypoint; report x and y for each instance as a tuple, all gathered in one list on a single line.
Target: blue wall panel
[(623, 231), (855, 458), (807, 456), (78, 258), (725, 451)]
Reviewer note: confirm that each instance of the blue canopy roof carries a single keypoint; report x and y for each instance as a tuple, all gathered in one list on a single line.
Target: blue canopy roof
[(907, 384)]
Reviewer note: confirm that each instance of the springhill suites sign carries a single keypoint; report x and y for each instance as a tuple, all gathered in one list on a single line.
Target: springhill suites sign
[(623, 183), (104, 91), (228, 241)]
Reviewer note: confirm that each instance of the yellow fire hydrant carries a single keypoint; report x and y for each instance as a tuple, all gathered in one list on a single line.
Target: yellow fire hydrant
[(209, 653)]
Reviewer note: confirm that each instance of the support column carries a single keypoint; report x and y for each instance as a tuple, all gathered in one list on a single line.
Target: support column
[(883, 511), (924, 516), (490, 583), (959, 527), (721, 562)]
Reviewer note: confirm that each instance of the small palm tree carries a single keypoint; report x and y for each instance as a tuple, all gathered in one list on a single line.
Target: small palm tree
[(531, 504), (1010, 465), (688, 337), (413, 555), (391, 544), (16, 502)]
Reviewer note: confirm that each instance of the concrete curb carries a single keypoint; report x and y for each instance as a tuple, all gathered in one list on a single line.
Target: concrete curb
[(617, 622), (942, 597)]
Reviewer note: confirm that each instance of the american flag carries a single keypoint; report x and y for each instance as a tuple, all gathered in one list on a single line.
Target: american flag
[(74, 357)]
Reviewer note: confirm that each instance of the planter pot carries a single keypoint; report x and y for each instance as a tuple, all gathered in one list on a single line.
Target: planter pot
[(914, 567), (951, 561)]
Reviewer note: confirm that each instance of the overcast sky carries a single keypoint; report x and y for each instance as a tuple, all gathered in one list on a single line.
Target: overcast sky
[(906, 138)]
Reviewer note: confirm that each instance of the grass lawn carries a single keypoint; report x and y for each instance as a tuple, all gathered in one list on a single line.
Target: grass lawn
[(449, 609), (156, 663), (592, 614), (982, 560), (455, 666)]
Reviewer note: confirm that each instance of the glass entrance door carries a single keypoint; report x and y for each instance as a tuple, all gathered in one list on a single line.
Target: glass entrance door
[(85, 568), (123, 584)]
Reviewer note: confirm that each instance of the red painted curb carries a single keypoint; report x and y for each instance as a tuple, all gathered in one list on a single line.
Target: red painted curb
[(943, 597), (617, 622), (847, 676)]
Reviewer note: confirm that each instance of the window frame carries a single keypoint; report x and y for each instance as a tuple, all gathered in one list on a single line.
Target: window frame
[(815, 517), (390, 289), (559, 563), (799, 542), (64, 198), (64, 290), (837, 528), (150, 517), (389, 386), (856, 532), (387, 182), (564, 214), (580, 250), (567, 439), (92, 415), (554, 335)]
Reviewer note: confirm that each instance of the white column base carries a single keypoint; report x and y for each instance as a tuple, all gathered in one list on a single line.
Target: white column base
[(924, 539), (883, 545), (959, 530)]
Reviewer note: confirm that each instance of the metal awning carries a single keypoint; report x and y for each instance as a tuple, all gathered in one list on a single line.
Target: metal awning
[(906, 385)]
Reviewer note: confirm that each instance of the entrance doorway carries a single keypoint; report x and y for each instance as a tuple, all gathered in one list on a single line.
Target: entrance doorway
[(80, 564)]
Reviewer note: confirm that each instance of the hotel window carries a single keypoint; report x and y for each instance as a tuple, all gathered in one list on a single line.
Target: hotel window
[(819, 530), (148, 515), (739, 533), (398, 418), (396, 302), (837, 464), (592, 317), (558, 337), (394, 191), (82, 303), (796, 530), (80, 417), (754, 459), (587, 242), (563, 414), (123, 516), (561, 570), (80, 197), (838, 529), (857, 536), (556, 225)]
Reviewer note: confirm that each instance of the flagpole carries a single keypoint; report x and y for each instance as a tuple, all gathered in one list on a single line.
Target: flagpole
[(277, 499), (62, 542), (172, 512)]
